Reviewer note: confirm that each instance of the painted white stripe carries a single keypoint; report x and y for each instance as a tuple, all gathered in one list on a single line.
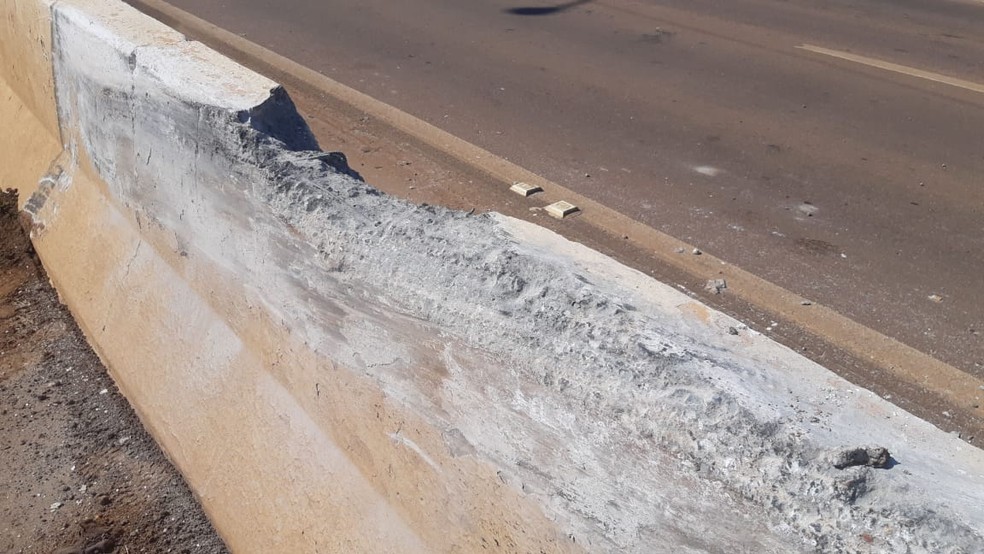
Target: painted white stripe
[(889, 66)]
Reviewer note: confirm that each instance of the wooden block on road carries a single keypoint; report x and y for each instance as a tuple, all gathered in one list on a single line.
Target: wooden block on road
[(524, 189), (561, 209)]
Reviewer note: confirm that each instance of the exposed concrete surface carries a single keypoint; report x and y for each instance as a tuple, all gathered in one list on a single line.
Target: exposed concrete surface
[(337, 370), (701, 118), (409, 158)]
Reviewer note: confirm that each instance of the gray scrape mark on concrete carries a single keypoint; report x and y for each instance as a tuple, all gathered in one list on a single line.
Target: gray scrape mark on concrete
[(635, 430)]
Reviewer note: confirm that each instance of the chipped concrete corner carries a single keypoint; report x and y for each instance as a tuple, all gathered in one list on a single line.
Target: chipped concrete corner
[(334, 370)]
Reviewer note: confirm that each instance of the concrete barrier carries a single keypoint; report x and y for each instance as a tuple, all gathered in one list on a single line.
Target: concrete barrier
[(333, 370)]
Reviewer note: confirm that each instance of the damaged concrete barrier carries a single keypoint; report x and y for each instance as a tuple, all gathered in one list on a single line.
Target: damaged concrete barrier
[(334, 370)]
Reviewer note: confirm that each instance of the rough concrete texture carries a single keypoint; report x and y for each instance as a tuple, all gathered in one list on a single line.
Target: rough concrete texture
[(640, 428), (335, 369)]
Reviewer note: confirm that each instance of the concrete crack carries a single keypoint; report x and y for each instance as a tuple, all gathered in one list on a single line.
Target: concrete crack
[(126, 275)]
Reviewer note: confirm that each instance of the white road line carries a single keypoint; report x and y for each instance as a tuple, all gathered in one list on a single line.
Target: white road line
[(889, 66)]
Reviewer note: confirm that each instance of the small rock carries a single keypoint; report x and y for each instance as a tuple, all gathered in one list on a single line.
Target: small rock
[(807, 209), (935, 298), (732, 331), (878, 457), (680, 250), (872, 457), (696, 252), (806, 303), (716, 285), (56, 505), (104, 546)]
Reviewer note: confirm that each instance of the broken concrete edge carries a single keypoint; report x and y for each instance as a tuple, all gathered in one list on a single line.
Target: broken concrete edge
[(331, 368)]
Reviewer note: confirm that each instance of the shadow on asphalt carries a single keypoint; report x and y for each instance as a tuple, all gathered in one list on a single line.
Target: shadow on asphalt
[(548, 10)]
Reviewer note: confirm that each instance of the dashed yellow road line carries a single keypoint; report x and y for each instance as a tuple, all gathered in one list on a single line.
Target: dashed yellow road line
[(896, 68)]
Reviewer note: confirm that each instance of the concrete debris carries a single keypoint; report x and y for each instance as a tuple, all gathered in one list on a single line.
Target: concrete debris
[(807, 209), (877, 457), (716, 286), (561, 209)]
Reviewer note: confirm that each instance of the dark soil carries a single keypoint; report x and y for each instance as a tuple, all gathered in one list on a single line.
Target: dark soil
[(78, 472)]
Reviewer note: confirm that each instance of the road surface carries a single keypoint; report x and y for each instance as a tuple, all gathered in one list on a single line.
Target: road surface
[(835, 149)]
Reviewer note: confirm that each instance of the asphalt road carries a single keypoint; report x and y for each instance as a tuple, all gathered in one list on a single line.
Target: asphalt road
[(851, 181)]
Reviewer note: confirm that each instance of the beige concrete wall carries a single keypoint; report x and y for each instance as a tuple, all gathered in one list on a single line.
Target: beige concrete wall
[(30, 141), (288, 450), (25, 56), (333, 371)]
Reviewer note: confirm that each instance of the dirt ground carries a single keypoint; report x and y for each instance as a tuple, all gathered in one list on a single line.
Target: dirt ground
[(78, 473)]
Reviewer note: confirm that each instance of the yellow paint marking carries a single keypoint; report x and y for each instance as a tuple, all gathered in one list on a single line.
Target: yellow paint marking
[(889, 66)]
